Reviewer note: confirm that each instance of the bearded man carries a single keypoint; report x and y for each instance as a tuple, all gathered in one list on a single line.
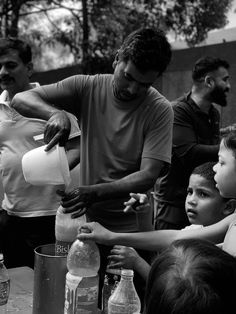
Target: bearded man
[(195, 138)]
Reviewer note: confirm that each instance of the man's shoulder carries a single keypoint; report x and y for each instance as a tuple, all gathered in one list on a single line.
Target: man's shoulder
[(157, 97), (181, 101)]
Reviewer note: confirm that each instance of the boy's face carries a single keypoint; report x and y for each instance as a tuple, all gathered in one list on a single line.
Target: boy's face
[(225, 170), (204, 204)]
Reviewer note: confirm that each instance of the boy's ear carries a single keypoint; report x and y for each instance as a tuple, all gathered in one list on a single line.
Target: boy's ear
[(230, 207)]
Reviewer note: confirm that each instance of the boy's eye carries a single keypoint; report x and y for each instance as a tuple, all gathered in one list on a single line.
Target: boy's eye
[(189, 191), (203, 194)]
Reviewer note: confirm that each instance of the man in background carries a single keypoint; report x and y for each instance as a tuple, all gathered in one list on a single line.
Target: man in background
[(195, 138), (27, 218)]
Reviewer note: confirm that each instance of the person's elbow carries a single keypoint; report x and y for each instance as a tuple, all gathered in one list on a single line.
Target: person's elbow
[(19, 102)]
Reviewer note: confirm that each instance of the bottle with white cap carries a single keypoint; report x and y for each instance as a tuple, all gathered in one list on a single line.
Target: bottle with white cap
[(4, 286), (81, 289), (124, 299)]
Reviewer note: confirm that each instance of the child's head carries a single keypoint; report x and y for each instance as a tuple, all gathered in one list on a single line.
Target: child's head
[(204, 205), (192, 277), (225, 169)]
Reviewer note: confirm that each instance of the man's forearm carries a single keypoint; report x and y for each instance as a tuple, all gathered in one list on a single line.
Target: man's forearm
[(137, 182), (30, 104)]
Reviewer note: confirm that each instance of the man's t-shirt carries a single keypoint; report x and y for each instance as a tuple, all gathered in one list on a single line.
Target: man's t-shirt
[(115, 137)]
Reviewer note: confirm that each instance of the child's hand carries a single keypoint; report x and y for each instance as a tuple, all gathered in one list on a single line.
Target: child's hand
[(138, 203), (123, 257)]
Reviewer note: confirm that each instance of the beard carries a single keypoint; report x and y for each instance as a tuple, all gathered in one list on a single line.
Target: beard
[(218, 96)]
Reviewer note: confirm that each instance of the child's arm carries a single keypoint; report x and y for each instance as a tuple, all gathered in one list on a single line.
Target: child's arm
[(127, 257), (229, 244), (155, 240)]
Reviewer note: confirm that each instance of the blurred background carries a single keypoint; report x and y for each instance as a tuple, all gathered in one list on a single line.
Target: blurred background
[(73, 36)]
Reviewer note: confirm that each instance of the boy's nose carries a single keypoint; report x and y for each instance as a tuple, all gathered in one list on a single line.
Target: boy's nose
[(191, 200)]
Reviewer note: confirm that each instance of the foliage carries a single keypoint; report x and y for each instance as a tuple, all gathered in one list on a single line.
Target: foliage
[(91, 30), (194, 19)]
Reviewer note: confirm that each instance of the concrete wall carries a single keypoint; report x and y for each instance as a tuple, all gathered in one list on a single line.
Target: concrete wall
[(177, 79)]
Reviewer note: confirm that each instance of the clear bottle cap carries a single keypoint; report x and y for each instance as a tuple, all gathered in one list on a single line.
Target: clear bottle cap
[(127, 272)]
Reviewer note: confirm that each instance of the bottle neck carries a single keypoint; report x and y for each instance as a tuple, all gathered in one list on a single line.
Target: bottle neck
[(127, 278)]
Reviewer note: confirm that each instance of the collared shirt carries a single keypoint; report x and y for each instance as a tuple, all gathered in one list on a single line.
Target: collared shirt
[(17, 136), (195, 141)]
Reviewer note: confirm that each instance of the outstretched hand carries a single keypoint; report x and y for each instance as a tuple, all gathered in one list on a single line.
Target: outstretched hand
[(96, 232), (123, 257), (138, 202), (57, 129)]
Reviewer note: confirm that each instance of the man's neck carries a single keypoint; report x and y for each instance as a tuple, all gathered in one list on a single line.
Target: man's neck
[(203, 103), (12, 93)]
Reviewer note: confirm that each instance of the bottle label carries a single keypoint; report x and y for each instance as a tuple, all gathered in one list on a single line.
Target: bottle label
[(122, 308), (81, 297), (62, 248), (4, 292), (117, 308)]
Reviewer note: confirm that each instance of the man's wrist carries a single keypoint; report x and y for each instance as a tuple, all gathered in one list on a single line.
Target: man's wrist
[(53, 112)]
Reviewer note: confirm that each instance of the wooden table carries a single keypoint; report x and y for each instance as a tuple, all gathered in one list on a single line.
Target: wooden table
[(21, 290)]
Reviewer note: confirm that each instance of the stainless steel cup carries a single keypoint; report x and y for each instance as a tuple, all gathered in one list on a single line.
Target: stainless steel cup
[(49, 281)]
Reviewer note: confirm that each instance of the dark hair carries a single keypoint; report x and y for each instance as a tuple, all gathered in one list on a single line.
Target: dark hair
[(229, 140), (206, 171), (148, 49), (206, 65), (192, 277), (24, 50)]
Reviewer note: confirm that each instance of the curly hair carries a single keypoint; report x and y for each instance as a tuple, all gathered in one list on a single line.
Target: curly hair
[(148, 49)]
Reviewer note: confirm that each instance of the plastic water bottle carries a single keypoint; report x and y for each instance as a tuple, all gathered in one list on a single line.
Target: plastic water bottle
[(66, 230), (124, 299), (81, 291), (4, 286), (111, 280)]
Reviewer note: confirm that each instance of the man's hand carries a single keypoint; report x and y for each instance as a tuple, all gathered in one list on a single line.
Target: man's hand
[(137, 202), (57, 129), (96, 232), (77, 201), (123, 257)]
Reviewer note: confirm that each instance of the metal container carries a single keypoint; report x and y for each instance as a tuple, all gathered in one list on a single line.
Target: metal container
[(49, 281)]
